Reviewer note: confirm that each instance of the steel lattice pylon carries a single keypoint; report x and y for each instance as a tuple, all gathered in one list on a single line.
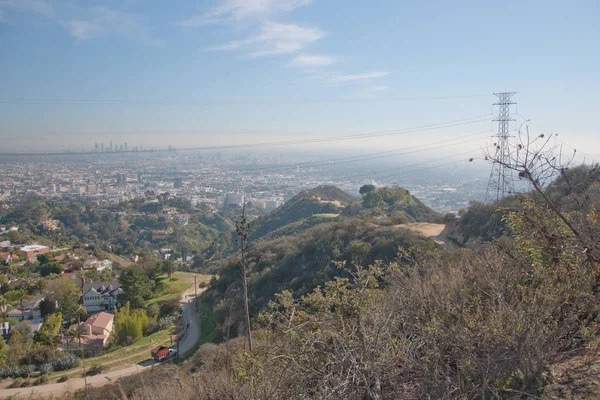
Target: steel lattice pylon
[(501, 179)]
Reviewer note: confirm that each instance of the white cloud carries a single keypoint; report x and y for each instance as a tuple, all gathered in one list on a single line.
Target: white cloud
[(357, 77), (34, 6), (84, 22), (275, 38), (84, 29), (241, 9), (312, 60), (99, 20), (378, 88)]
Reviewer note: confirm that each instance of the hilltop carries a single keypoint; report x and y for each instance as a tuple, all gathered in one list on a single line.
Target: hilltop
[(392, 202), (322, 201)]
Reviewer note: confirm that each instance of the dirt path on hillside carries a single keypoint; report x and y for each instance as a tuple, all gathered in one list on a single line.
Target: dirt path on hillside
[(427, 229)]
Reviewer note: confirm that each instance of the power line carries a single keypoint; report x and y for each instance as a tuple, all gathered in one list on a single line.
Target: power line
[(449, 124), (424, 169), (525, 119), (295, 187), (371, 156), (123, 102), (406, 166)]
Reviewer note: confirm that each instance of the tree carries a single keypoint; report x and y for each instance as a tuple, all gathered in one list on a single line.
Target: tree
[(241, 229), (49, 332), (2, 353), (14, 236), (4, 308), (168, 267), (539, 161), (372, 200), (151, 266), (359, 251), (44, 259), (70, 309), (48, 269), (364, 189), (199, 260), (47, 307), (20, 295), (130, 325), (136, 285)]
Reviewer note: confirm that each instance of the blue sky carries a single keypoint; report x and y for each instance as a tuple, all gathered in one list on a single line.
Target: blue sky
[(193, 73)]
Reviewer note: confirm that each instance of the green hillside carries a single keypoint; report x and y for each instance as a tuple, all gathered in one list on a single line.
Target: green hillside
[(299, 264), (487, 221), (320, 200), (393, 202)]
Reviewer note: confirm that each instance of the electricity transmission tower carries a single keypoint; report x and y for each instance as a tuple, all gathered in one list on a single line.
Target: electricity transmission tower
[(501, 179)]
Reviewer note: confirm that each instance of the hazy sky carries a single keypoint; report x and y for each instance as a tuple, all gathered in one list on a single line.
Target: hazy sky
[(194, 73)]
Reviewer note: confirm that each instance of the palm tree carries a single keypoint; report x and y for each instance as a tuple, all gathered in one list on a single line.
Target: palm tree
[(4, 308), (20, 294), (77, 333)]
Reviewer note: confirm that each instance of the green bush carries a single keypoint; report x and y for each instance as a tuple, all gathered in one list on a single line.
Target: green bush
[(95, 370)]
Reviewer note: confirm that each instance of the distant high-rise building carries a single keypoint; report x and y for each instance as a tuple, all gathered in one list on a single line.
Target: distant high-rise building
[(232, 199), (102, 147), (121, 180), (140, 177), (110, 148), (270, 205), (126, 149), (219, 156), (121, 148), (178, 183), (96, 147), (170, 148)]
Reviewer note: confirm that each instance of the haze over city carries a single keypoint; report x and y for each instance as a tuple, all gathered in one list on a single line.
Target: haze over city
[(192, 73)]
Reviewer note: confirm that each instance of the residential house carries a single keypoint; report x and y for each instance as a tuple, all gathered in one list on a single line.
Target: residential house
[(182, 220), (98, 265), (103, 295), (29, 310), (158, 234), (9, 257), (33, 250), (105, 264), (95, 333)]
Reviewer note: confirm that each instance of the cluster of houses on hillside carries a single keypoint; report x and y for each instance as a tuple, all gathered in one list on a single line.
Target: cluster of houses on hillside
[(99, 299)]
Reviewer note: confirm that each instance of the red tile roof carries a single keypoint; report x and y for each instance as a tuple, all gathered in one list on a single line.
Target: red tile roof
[(100, 320)]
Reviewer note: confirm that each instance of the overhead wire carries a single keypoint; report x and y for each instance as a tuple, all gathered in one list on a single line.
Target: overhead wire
[(374, 173), (449, 124), (121, 102), (368, 156)]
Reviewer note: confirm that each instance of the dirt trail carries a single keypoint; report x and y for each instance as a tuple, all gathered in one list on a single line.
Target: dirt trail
[(427, 229)]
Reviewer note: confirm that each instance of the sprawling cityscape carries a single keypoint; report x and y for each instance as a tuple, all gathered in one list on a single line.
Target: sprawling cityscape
[(222, 178)]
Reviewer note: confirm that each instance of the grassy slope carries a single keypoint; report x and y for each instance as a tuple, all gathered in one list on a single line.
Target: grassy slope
[(167, 289)]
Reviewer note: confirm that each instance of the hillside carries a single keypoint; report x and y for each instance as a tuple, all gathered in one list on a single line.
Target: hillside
[(483, 222), (393, 202), (320, 200), (510, 321), (299, 264)]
